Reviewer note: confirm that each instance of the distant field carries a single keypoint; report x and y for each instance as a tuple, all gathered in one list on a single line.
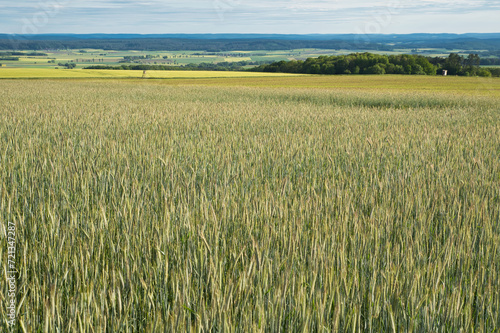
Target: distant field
[(89, 57), (172, 58), (383, 83), (256, 204), (96, 73)]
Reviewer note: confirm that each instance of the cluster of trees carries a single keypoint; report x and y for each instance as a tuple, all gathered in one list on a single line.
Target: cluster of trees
[(494, 71), (219, 54), (490, 62), (36, 54), (136, 58), (356, 63), (225, 65), (8, 54), (456, 64), (67, 65), (221, 66), (14, 55), (368, 63), (30, 54)]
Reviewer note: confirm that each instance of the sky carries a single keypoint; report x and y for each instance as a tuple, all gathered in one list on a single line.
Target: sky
[(243, 16)]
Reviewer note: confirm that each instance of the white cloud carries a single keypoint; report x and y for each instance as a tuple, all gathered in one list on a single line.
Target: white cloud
[(282, 16)]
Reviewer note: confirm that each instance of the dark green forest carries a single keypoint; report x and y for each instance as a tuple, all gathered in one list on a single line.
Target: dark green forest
[(369, 63), (487, 43), (178, 44)]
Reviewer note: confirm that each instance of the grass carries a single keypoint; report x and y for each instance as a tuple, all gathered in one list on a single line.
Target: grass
[(158, 205)]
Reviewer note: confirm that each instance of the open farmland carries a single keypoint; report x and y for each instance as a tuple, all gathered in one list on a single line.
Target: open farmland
[(50, 59), (253, 204), (45, 73)]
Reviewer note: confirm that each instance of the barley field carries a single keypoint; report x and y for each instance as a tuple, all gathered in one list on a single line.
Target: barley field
[(252, 205)]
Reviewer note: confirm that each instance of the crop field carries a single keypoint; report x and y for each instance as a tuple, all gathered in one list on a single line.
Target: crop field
[(44, 73), (89, 57), (271, 204), (386, 86)]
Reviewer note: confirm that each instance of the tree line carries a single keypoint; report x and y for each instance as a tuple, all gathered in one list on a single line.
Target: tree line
[(233, 42), (356, 63), (204, 66), (369, 63), (30, 54), (182, 44)]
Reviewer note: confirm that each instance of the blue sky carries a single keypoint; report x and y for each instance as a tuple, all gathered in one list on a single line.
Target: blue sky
[(243, 16)]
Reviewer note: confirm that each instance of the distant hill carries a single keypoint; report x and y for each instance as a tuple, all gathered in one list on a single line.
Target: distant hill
[(232, 42)]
